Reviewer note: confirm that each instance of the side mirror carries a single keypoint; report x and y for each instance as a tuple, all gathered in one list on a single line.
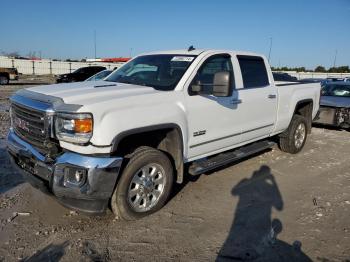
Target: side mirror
[(222, 84), (196, 88)]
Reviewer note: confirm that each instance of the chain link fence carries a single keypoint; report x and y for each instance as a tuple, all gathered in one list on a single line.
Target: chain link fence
[(49, 67)]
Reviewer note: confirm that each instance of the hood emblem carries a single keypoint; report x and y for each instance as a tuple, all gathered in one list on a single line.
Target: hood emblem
[(21, 124)]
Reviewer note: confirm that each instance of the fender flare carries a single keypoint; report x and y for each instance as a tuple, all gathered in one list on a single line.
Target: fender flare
[(176, 154), (308, 100)]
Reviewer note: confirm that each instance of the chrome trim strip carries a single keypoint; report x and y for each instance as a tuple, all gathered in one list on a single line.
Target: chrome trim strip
[(20, 147), (89, 162), (254, 129), (236, 134), (214, 140)]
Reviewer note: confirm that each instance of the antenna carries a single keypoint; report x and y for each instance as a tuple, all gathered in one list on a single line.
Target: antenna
[(191, 48)]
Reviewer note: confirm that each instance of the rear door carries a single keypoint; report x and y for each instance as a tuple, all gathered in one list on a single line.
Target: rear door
[(258, 97)]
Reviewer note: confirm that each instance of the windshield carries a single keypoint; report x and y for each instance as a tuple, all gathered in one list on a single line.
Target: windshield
[(336, 90), (99, 75), (79, 70), (161, 72)]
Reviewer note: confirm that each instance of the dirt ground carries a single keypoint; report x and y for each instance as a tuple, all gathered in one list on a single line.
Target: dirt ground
[(270, 207)]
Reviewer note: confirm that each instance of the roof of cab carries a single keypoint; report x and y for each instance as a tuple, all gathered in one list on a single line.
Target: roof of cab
[(199, 51)]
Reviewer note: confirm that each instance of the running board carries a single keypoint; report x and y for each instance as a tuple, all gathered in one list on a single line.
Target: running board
[(209, 163)]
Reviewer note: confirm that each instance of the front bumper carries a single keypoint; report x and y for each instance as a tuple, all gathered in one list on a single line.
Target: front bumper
[(91, 195), (13, 77), (333, 116)]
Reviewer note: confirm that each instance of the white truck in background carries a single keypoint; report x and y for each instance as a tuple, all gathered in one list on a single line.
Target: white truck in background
[(124, 141)]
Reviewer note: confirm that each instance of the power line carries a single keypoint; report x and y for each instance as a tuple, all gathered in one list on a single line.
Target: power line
[(335, 57)]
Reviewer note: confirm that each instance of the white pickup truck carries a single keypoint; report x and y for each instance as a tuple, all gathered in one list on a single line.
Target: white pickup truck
[(124, 141)]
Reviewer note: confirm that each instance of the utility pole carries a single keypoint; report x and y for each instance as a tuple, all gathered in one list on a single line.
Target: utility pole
[(95, 42), (335, 57), (270, 49), (130, 52)]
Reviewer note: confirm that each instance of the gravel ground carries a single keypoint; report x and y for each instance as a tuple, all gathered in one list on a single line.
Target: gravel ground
[(271, 207)]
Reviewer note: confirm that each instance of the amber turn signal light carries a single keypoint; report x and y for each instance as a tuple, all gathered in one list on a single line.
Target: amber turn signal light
[(83, 125)]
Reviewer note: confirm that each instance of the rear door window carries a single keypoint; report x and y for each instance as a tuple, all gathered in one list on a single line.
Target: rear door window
[(253, 70)]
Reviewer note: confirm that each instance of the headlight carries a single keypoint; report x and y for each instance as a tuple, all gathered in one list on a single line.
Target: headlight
[(75, 128)]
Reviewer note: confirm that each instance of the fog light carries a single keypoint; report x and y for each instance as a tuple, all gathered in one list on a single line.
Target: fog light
[(79, 175), (74, 177)]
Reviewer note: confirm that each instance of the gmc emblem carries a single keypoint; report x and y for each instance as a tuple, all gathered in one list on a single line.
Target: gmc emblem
[(22, 124)]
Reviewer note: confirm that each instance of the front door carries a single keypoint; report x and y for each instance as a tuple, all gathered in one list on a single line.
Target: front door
[(211, 119)]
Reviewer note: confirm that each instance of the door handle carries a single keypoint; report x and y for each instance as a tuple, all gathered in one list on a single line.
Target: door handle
[(235, 101), (271, 96)]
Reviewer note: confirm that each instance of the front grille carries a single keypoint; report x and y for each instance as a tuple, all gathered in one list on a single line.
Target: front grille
[(31, 126)]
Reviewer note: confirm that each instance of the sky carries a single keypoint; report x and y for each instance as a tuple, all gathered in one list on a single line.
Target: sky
[(303, 32)]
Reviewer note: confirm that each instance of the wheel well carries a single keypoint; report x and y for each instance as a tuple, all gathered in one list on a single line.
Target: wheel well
[(5, 74), (168, 139), (304, 108)]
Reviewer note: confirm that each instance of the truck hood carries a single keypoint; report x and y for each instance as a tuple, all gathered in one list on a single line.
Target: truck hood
[(85, 93), (335, 101)]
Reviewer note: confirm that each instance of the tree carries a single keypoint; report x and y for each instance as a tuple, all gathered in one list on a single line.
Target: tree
[(339, 69), (320, 69), (11, 54)]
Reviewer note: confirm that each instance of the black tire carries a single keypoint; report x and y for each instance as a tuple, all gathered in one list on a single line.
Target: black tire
[(4, 80), (288, 139), (142, 157)]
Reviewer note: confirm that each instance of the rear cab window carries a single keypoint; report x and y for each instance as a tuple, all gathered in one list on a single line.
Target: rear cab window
[(253, 69)]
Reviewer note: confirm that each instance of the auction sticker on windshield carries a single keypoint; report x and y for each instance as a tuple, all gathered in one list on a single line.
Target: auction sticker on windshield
[(182, 58)]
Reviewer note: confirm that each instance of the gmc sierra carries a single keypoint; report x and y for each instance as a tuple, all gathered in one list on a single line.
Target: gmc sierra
[(124, 141)]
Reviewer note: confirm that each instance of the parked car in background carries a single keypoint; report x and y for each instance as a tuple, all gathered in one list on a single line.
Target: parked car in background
[(335, 105), (331, 80), (7, 74), (100, 75), (80, 74), (334, 79), (311, 80)]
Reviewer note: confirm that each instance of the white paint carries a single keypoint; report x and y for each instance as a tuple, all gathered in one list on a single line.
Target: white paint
[(122, 107)]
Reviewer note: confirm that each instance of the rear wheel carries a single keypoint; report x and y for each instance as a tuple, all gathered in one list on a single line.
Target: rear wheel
[(293, 139), (144, 185), (4, 80)]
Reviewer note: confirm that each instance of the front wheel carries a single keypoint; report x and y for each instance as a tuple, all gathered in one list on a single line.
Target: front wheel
[(144, 185), (293, 139), (4, 80)]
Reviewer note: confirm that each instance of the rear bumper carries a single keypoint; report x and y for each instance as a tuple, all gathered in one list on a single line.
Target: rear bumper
[(13, 77), (90, 194)]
